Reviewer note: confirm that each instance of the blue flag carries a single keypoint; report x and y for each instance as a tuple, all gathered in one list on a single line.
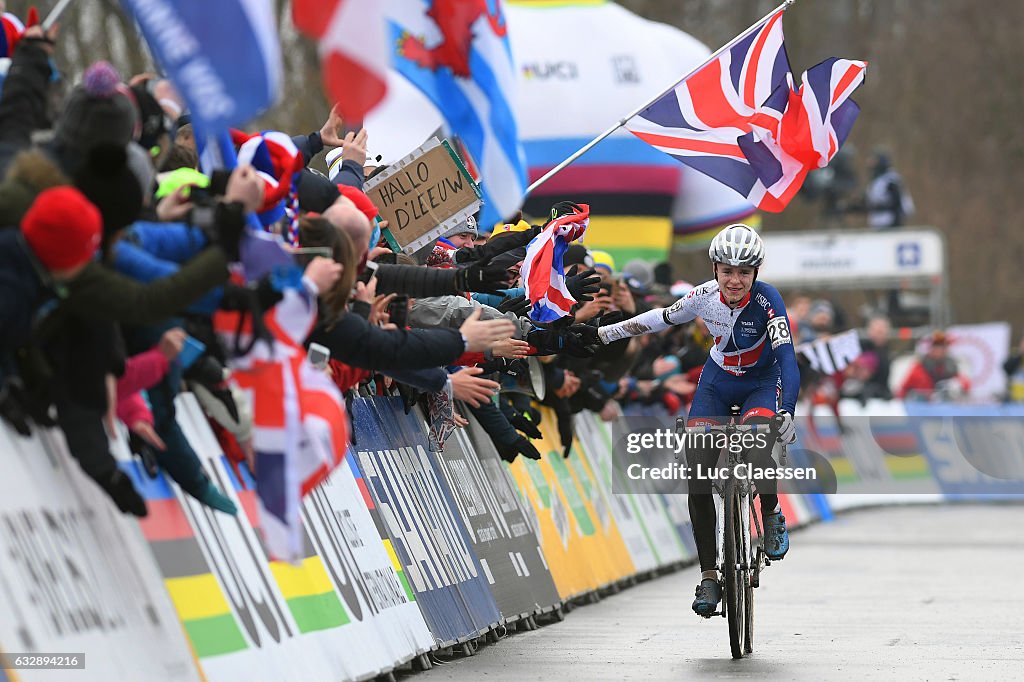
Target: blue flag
[(224, 56)]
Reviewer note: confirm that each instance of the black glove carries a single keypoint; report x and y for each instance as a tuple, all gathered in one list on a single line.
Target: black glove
[(563, 208), (408, 394), (582, 285), (511, 367), (523, 424), (146, 453), (581, 341), (546, 341), (12, 407), (519, 306), (124, 495), (482, 277), (224, 225), (497, 246), (520, 446)]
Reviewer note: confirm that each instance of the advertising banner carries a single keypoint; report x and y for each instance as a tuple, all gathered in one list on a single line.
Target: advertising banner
[(504, 537), (417, 512), (646, 521), (975, 451), (565, 490), (247, 616), (76, 575)]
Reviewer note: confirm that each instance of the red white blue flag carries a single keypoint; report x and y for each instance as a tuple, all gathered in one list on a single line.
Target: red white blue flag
[(300, 428), (543, 270), (353, 50), (739, 119)]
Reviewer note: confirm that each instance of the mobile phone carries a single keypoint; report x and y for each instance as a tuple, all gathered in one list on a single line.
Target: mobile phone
[(190, 352), (318, 355)]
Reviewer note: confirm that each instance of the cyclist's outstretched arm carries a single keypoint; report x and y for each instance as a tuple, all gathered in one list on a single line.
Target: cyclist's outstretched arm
[(652, 321)]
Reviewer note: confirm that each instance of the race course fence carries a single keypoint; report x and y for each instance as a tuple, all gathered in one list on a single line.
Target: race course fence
[(408, 552)]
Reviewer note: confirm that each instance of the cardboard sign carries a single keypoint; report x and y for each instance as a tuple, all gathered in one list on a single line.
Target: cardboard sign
[(424, 195)]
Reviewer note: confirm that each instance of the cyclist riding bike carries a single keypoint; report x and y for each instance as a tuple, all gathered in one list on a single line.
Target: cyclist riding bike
[(752, 364)]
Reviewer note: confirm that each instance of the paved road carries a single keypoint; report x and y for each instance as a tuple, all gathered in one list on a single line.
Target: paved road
[(929, 593)]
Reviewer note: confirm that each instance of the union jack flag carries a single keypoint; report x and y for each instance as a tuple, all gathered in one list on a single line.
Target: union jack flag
[(542, 270), (300, 428), (739, 120)]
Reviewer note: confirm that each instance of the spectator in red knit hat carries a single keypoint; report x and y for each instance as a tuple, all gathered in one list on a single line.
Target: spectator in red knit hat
[(63, 230), (59, 235)]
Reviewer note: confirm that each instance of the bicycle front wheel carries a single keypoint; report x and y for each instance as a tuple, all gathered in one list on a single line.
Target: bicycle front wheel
[(736, 570)]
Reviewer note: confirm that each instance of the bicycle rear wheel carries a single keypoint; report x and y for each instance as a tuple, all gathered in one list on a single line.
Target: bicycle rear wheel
[(737, 583)]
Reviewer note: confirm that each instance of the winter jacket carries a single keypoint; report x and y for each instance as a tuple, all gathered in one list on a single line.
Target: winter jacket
[(150, 251), (452, 311), (24, 287), (354, 341), (23, 105), (416, 281)]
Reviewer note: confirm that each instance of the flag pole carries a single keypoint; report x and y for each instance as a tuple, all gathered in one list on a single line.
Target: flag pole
[(622, 121), (54, 14)]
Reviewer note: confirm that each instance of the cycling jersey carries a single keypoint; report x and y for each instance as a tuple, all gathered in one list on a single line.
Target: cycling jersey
[(753, 337)]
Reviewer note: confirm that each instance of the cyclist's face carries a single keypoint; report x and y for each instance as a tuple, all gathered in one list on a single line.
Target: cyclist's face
[(735, 282)]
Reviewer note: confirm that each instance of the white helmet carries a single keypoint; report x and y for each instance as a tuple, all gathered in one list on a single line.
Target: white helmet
[(737, 245)]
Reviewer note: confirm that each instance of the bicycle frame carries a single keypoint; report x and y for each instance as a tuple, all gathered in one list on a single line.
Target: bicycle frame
[(742, 574)]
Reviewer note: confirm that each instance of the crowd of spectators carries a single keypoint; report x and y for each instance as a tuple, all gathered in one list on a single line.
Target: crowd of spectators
[(119, 289)]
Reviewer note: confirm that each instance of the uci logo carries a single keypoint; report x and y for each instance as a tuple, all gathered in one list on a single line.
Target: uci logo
[(563, 71)]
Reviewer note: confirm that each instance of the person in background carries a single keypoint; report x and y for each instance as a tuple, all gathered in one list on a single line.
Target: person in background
[(820, 321), (879, 332), (935, 374), (887, 201), (1014, 368), (798, 313)]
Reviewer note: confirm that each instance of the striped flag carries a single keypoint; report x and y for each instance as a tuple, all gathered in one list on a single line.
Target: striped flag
[(300, 429), (542, 270), (739, 120), (832, 354), (456, 52), (353, 51)]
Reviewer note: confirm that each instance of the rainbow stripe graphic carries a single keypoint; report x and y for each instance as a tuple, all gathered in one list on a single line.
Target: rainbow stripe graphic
[(194, 590), (307, 589), (381, 529)]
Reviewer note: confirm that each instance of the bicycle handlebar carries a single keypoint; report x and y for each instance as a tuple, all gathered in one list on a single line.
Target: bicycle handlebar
[(731, 428)]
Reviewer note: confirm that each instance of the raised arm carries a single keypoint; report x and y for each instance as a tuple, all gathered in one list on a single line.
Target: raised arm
[(652, 321)]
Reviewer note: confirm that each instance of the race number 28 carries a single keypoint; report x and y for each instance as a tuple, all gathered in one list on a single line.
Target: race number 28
[(778, 331)]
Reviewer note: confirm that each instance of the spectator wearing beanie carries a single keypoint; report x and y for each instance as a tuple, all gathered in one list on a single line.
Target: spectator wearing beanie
[(463, 234), (59, 235), (99, 112)]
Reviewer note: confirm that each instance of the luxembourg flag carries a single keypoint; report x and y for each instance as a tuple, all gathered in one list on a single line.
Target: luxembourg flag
[(543, 269), (457, 53)]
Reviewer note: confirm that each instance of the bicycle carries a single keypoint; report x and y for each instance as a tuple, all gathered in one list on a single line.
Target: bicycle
[(739, 561)]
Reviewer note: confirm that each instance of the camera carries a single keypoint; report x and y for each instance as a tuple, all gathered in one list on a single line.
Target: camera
[(398, 311)]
